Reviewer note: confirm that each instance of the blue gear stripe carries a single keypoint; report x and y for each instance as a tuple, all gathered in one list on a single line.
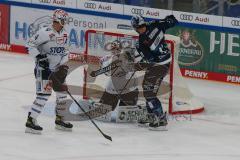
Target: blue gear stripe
[(35, 110), (43, 94), (41, 98)]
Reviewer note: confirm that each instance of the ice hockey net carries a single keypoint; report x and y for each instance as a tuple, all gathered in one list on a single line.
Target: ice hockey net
[(176, 100)]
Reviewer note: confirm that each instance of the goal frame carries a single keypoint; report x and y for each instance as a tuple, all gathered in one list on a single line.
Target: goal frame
[(171, 78)]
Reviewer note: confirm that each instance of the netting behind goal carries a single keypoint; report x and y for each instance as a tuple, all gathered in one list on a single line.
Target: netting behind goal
[(173, 93)]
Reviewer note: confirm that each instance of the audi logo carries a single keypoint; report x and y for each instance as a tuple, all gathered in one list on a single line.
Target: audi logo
[(90, 5), (186, 17), (137, 11), (235, 23), (45, 1)]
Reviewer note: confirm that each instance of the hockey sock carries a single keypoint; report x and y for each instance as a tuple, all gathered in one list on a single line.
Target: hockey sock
[(38, 105), (60, 101), (155, 106)]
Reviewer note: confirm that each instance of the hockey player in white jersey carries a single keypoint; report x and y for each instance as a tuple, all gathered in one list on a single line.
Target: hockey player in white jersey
[(49, 48)]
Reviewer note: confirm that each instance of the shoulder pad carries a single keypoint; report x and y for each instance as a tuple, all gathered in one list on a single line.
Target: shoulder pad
[(48, 29), (44, 29), (152, 22)]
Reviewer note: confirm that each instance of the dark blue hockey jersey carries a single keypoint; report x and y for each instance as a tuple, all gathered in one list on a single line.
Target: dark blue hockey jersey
[(151, 44)]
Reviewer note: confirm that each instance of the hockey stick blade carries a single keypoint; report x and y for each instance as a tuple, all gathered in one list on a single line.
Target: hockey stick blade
[(107, 137), (104, 135)]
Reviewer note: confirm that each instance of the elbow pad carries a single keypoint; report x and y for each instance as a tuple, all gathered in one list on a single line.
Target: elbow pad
[(33, 51)]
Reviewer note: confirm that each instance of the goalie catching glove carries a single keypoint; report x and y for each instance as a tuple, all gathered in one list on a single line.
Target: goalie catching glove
[(58, 78)]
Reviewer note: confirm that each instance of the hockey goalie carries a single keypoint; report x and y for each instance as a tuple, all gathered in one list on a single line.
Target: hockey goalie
[(121, 89), (122, 86)]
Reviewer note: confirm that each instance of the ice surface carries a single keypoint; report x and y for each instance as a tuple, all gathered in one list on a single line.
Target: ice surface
[(212, 135)]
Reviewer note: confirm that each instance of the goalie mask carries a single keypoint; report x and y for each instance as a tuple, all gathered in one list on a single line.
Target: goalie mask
[(115, 47), (60, 16)]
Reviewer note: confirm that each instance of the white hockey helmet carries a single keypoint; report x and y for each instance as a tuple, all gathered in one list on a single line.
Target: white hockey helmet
[(60, 16), (137, 21)]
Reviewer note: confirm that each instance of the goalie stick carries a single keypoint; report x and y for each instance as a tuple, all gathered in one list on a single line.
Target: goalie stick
[(115, 65), (108, 68)]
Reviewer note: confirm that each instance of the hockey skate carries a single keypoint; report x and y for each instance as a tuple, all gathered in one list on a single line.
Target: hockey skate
[(159, 123), (61, 125), (144, 120), (32, 126)]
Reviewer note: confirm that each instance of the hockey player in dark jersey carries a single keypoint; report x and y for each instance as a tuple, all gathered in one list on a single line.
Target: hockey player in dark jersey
[(152, 49)]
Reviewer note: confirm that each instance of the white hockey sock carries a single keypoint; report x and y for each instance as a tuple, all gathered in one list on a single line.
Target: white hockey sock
[(60, 101), (38, 105)]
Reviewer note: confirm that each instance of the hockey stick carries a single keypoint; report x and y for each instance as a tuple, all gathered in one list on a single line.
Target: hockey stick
[(105, 136), (108, 68), (119, 94)]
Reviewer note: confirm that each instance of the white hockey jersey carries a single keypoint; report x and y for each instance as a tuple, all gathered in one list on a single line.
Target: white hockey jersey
[(120, 76), (52, 43)]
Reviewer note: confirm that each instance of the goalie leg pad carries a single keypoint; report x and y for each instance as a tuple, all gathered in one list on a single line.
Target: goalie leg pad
[(129, 99), (109, 99)]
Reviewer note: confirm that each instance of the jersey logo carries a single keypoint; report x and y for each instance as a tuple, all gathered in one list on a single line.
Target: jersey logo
[(62, 40), (57, 50), (51, 36)]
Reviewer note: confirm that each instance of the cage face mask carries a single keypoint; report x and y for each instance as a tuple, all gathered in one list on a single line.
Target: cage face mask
[(60, 16), (137, 21)]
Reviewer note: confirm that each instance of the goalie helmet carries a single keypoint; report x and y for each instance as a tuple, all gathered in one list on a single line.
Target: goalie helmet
[(60, 16), (137, 21), (115, 47)]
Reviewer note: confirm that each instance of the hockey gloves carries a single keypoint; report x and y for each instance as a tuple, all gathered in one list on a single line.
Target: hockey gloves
[(42, 61), (58, 78), (171, 20)]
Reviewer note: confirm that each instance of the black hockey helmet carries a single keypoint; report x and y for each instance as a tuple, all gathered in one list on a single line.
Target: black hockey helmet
[(137, 21)]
